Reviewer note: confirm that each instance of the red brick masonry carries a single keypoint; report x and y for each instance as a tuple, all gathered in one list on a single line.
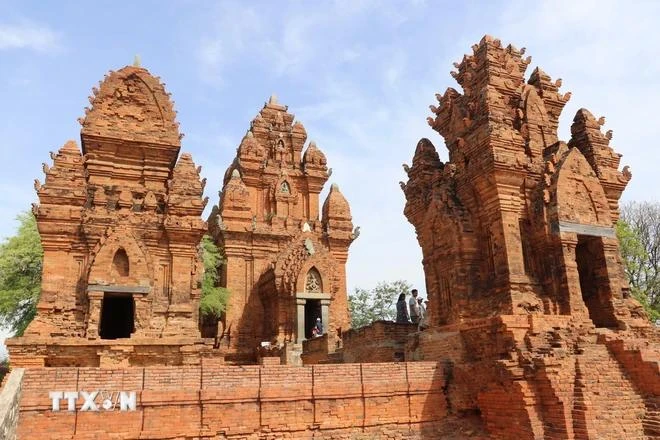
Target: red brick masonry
[(387, 400)]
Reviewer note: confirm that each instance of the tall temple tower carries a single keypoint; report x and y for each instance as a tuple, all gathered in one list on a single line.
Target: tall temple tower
[(120, 222), (517, 221), (530, 312), (285, 261)]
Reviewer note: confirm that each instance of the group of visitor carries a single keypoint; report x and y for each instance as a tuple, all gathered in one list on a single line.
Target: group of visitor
[(413, 311)]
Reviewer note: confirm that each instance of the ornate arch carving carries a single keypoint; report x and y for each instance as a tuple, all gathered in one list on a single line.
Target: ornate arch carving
[(291, 268), (577, 194), (313, 282), (103, 255)]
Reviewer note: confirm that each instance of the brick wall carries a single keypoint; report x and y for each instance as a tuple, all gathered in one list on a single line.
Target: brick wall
[(642, 365), (316, 350), (381, 341), (9, 400), (213, 401)]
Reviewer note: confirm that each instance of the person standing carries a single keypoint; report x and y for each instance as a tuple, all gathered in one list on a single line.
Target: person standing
[(423, 321), (402, 310), (422, 309), (414, 307)]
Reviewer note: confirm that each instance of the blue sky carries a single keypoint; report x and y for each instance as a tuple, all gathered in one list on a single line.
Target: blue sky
[(359, 74)]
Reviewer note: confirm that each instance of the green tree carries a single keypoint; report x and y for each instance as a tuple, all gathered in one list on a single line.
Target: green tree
[(379, 303), (214, 298), (21, 259), (638, 231)]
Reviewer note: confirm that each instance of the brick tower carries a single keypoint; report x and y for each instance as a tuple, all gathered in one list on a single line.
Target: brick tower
[(120, 222), (529, 307), (517, 220), (285, 262)]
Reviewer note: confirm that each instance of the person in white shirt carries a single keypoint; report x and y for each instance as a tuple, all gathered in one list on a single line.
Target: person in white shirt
[(414, 307)]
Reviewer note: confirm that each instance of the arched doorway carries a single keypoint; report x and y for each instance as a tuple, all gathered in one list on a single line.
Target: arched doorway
[(312, 304)]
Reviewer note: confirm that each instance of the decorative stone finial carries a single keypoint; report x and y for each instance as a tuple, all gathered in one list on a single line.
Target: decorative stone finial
[(273, 99), (235, 173), (306, 227), (334, 186), (136, 61)]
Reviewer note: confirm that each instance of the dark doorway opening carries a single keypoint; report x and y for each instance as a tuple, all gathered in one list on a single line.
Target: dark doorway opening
[(594, 280), (209, 326), (117, 316), (312, 311)]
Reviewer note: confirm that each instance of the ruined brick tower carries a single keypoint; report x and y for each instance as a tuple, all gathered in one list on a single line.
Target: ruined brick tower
[(517, 221), (119, 223), (529, 307), (285, 262)]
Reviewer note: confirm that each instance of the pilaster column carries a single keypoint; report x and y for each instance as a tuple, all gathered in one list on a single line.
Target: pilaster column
[(94, 314), (300, 320), (325, 314)]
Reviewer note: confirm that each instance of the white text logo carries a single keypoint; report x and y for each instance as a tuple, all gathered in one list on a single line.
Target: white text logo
[(94, 400)]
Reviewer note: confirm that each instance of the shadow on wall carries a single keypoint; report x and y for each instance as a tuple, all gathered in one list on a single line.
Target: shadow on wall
[(242, 336), (434, 403)]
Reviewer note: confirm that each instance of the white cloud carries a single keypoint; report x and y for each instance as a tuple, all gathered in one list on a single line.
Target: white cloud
[(236, 29), (28, 35), (290, 39)]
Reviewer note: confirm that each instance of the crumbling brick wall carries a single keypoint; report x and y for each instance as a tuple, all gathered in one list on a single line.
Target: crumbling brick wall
[(381, 341)]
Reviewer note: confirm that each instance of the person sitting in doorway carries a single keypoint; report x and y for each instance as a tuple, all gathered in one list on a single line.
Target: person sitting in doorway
[(317, 330)]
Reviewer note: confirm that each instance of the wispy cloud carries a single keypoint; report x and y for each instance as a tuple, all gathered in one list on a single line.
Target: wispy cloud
[(289, 39), (237, 28), (28, 35)]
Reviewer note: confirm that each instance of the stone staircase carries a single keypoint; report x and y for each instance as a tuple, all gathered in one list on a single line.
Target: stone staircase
[(652, 420), (641, 360), (606, 403)]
